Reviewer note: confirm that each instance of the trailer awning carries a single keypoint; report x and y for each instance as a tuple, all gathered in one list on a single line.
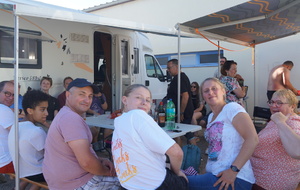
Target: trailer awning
[(250, 23)]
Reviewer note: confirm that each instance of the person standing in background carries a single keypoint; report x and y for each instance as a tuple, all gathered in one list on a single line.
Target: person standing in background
[(53, 105), (279, 78), (62, 97), (186, 104), (217, 72)]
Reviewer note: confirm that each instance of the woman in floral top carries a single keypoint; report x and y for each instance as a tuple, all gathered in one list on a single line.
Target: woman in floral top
[(276, 159), (233, 90)]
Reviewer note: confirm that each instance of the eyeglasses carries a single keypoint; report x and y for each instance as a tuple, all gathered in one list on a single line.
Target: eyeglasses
[(276, 103), (8, 94), (170, 67), (193, 86)]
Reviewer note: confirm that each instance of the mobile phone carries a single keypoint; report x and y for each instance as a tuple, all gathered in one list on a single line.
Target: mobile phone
[(176, 131)]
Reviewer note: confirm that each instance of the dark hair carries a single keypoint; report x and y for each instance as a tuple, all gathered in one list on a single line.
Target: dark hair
[(48, 79), (227, 66), (33, 98), (197, 87), (3, 83), (174, 61), (288, 63), (223, 58), (67, 79), (197, 94)]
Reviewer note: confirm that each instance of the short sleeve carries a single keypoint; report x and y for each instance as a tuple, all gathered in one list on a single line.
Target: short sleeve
[(154, 137), (38, 139), (78, 130), (7, 116), (232, 109)]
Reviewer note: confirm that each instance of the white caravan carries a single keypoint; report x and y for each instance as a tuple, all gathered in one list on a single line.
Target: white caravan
[(73, 43)]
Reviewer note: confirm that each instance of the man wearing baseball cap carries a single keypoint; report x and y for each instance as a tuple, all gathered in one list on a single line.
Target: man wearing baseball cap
[(70, 162)]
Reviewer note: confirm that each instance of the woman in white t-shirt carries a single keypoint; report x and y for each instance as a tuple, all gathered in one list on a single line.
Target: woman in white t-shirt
[(232, 139), (140, 146)]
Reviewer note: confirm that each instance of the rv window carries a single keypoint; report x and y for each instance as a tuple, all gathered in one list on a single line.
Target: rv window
[(124, 51), (29, 49), (136, 61), (152, 68), (192, 59)]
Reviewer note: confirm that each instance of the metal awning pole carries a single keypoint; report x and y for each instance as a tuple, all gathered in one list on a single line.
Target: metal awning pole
[(16, 99), (254, 65), (179, 76), (219, 59)]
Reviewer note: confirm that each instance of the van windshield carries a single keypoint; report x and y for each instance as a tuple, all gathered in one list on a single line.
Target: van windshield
[(152, 68)]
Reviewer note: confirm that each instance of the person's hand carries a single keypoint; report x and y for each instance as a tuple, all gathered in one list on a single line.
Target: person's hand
[(107, 163), (227, 177), (181, 117), (183, 175), (278, 117)]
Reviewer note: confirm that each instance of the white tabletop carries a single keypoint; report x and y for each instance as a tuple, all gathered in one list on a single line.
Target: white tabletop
[(104, 121)]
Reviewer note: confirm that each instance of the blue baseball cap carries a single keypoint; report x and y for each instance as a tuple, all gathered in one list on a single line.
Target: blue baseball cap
[(81, 82)]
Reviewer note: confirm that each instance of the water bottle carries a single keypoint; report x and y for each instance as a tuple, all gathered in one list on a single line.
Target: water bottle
[(161, 115), (170, 112)]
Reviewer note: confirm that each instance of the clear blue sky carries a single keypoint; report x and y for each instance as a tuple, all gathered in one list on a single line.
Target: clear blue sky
[(76, 4)]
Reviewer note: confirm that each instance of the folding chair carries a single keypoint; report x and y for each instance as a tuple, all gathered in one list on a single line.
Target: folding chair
[(264, 115)]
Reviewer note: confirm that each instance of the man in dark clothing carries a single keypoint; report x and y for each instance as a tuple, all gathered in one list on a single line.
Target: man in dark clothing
[(186, 104)]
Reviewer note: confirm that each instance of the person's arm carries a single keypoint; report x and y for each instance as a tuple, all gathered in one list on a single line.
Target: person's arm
[(199, 108), (104, 105), (88, 161), (90, 111), (184, 101), (289, 138), (286, 81), (239, 92), (244, 125), (176, 156)]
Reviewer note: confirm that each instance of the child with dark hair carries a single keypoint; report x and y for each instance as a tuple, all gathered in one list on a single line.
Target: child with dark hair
[(31, 137)]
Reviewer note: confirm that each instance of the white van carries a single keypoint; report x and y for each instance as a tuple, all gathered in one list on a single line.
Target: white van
[(61, 48)]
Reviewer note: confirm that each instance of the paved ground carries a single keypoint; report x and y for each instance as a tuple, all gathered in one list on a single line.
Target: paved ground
[(10, 183)]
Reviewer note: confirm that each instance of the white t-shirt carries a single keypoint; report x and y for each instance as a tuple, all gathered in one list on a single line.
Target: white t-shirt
[(138, 147), (31, 148), (6, 120), (225, 143)]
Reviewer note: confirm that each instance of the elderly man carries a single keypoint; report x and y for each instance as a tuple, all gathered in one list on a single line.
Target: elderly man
[(70, 162), (279, 78), (6, 121)]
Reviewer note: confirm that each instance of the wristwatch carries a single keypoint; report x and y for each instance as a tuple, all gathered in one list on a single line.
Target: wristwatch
[(234, 168)]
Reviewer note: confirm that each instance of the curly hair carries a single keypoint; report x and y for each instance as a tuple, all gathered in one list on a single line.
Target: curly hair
[(33, 98)]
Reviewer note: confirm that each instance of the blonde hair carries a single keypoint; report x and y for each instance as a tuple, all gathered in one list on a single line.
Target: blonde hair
[(214, 80), (291, 98)]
